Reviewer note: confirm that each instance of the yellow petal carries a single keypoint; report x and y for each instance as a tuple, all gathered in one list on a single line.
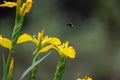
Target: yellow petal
[(8, 4), (5, 42), (45, 49), (53, 40), (24, 38), (28, 6), (40, 35), (70, 52)]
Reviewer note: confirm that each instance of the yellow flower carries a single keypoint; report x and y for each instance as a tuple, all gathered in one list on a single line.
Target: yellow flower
[(66, 50), (44, 43), (5, 42), (86, 78), (24, 9)]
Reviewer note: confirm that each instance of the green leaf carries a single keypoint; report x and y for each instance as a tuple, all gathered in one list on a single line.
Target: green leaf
[(33, 65), (5, 77)]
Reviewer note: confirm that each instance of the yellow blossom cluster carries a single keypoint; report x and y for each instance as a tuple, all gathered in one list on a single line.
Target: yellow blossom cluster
[(25, 8), (44, 43)]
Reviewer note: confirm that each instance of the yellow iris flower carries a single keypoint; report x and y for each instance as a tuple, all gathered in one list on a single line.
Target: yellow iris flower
[(86, 78), (25, 7), (44, 43), (66, 50)]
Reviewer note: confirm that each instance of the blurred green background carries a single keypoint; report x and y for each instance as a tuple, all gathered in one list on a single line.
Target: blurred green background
[(95, 36)]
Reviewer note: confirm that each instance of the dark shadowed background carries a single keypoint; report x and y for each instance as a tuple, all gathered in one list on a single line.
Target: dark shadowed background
[(95, 36)]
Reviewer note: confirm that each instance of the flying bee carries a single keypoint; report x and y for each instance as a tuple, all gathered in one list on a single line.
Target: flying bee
[(70, 24)]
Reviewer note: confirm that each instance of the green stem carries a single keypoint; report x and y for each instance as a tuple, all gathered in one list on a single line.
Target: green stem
[(34, 70), (15, 36), (16, 32), (18, 24), (36, 58), (9, 59), (60, 68)]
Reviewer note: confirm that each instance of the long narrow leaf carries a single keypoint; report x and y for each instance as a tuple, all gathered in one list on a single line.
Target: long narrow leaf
[(5, 77), (33, 65)]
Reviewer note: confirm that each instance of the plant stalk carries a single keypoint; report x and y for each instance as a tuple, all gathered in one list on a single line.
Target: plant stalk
[(60, 68)]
